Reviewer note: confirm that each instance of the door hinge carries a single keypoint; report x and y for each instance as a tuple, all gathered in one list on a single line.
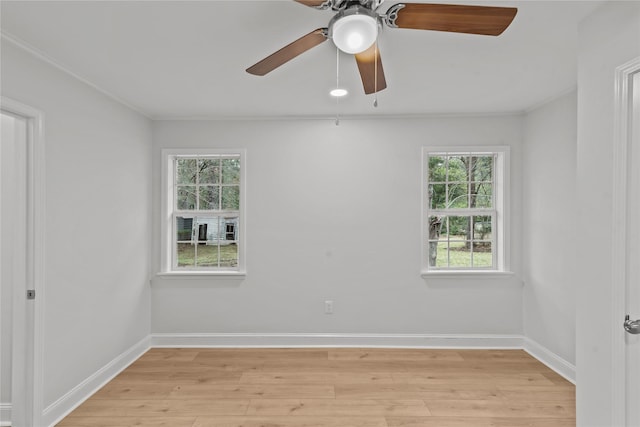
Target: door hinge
[(31, 294)]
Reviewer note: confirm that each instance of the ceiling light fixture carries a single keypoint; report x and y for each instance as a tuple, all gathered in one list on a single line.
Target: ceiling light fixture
[(354, 30)]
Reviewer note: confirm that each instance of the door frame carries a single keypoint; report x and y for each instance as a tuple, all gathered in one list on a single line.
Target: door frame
[(29, 328), (621, 144)]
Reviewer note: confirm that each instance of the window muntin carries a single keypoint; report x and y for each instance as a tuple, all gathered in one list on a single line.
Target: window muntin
[(206, 211), (463, 215)]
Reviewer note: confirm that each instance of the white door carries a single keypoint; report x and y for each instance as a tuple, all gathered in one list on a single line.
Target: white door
[(13, 160), (625, 351), (16, 311), (633, 261)]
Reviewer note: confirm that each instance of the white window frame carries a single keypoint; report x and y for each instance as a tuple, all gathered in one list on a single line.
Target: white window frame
[(168, 234), (501, 211)]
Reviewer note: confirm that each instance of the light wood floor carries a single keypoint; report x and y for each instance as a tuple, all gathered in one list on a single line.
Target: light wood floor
[(331, 387)]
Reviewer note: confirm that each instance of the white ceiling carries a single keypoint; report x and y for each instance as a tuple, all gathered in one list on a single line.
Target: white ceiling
[(172, 59)]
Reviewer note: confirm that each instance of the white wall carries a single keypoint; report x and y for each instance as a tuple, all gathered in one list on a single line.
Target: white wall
[(333, 212), (549, 217), (97, 220), (609, 37)]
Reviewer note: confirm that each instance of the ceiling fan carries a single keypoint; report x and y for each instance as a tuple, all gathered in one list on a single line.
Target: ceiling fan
[(355, 26)]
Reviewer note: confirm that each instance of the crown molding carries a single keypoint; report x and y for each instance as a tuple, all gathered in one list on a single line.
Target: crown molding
[(65, 69)]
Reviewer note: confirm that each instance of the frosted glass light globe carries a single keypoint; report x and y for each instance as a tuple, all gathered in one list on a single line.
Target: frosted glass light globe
[(354, 33)]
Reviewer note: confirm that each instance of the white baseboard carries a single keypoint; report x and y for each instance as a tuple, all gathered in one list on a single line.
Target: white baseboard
[(5, 414), (552, 360), (337, 340), (74, 398)]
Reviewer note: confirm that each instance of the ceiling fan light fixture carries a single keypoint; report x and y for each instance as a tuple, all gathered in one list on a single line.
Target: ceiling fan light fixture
[(354, 30)]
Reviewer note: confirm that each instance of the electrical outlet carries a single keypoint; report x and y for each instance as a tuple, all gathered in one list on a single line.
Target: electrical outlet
[(328, 307)]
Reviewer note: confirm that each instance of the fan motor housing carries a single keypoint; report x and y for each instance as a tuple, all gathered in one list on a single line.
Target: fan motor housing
[(356, 9)]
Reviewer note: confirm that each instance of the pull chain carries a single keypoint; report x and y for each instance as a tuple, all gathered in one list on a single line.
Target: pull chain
[(337, 86), (375, 74)]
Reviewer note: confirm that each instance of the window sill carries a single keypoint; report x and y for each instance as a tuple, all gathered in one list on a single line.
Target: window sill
[(214, 275), (459, 274)]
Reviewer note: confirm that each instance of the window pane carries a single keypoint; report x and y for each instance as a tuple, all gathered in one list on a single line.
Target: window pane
[(231, 197), (458, 168), (442, 256), (184, 228), (458, 196), (228, 254), (230, 171), (209, 197), (437, 169), (458, 227), (482, 227), (186, 197), (186, 171), (437, 196), (481, 195), (209, 170), (481, 168), (186, 253), (208, 255), (459, 254), (482, 254)]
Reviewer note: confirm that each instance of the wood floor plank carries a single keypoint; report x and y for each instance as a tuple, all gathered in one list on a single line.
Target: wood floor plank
[(128, 422), (477, 422), (337, 407), (396, 355), (487, 367), (260, 355), (498, 408), (539, 393), (416, 391), (252, 391), (169, 376), (209, 365), (298, 421), (161, 408), (435, 377), (139, 390), (472, 378), (503, 356), (284, 377), (333, 365)]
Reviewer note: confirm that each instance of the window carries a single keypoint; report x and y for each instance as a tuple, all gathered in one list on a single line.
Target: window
[(203, 203), (463, 211)]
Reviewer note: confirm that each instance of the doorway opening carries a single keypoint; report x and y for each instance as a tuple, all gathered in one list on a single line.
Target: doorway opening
[(21, 264)]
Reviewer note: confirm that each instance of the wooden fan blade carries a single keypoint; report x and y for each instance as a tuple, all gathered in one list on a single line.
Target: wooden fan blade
[(367, 64), (486, 20), (289, 52), (314, 3)]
